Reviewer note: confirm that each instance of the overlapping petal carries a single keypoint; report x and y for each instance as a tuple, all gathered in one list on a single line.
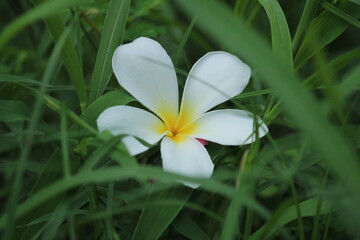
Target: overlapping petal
[(132, 121), (145, 70), (186, 156), (215, 78), (229, 127)]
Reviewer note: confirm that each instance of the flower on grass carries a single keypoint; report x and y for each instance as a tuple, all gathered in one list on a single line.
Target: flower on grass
[(144, 69)]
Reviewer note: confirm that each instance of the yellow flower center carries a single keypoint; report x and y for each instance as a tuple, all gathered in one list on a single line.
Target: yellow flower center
[(177, 127)]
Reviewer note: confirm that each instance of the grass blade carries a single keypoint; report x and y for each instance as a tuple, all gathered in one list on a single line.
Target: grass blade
[(106, 175), (324, 29), (280, 34), (43, 11), (113, 98), (64, 141), (350, 83), (159, 217), (112, 35), (26, 150), (308, 208), (335, 65), (53, 168), (185, 225), (13, 111), (308, 13), (71, 60), (341, 14), (183, 41)]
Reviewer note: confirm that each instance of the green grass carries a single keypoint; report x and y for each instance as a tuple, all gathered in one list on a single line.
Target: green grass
[(61, 179)]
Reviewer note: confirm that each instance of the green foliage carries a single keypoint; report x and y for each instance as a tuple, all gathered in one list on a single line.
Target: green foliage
[(62, 179), (280, 35), (323, 30), (159, 216), (111, 37)]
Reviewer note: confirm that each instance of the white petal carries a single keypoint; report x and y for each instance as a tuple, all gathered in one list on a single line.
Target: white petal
[(145, 70), (131, 121), (215, 78), (133, 146), (229, 127), (186, 156)]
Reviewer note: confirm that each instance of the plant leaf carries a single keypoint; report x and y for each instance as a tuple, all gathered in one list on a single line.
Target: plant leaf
[(323, 29), (159, 217), (185, 225), (280, 34), (13, 111), (307, 207), (111, 37)]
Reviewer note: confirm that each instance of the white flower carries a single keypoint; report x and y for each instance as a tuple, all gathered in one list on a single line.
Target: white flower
[(145, 70)]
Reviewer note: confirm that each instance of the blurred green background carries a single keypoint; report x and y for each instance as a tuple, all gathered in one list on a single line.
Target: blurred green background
[(61, 179)]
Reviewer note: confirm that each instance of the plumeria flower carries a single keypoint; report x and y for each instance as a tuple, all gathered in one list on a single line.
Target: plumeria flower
[(145, 70)]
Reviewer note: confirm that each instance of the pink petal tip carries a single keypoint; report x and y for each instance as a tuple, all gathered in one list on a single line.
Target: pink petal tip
[(202, 141)]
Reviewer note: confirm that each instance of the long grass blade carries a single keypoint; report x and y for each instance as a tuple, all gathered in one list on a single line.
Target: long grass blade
[(308, 208), (111, 37), (53, 168), (26, 150), (341, 14), (350, 83), (160, 217), (64, 141), (71, 59), (325, 28), (306, 17), (106, 175), (43, 11), (280, 34)]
